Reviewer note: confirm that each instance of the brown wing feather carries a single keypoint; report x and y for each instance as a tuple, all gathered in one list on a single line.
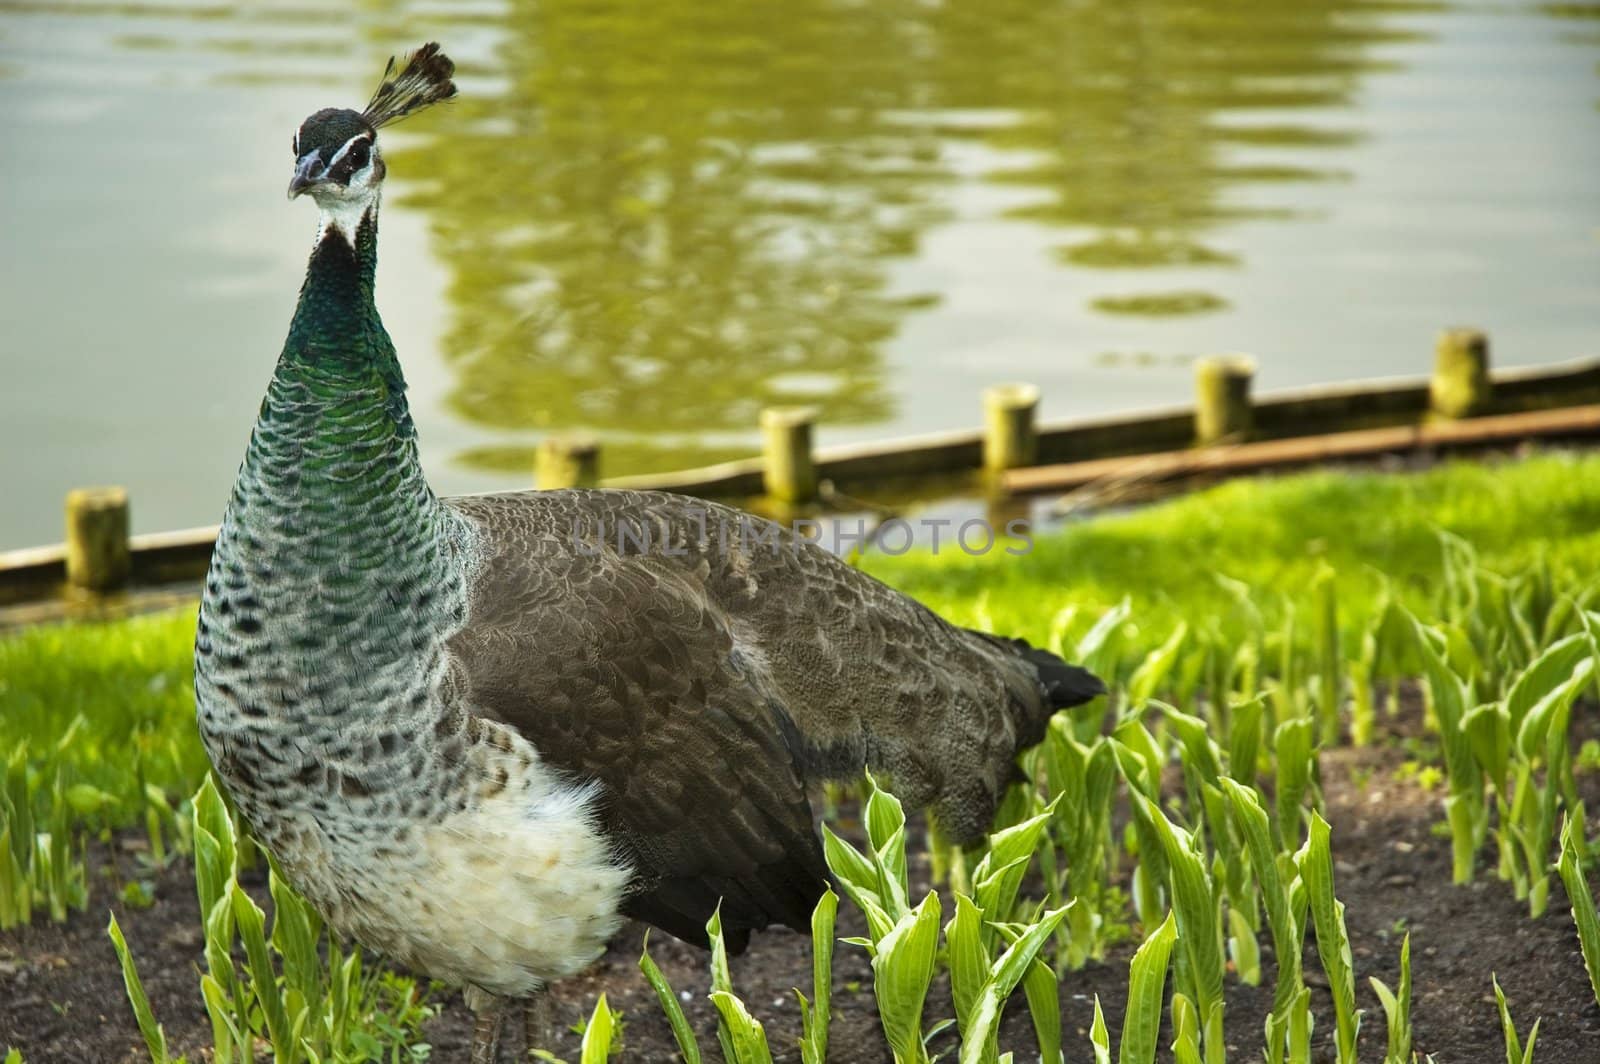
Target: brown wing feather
[(625, 673), (706, 675)]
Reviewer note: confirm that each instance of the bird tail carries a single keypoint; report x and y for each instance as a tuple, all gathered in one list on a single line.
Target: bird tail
[(1060, 685), (1064, 685), (1038, 685)]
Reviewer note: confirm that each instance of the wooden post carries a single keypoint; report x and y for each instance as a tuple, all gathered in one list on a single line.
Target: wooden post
[(1222, 399), (1010, 438), (97, 538), (789, 474), (567, 462), (1460, 384)]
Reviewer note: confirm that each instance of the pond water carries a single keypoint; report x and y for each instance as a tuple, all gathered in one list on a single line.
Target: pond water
[(647, 220)]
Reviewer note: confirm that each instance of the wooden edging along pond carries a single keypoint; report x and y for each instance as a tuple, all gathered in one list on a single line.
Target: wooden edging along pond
[(1571, 423), (1227, 431), (1301, 412)]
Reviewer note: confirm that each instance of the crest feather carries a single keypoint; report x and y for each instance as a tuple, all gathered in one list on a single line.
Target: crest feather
[(422, 82)]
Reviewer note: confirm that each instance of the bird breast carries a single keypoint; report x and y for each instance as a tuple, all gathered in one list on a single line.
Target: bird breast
[(513, 887)]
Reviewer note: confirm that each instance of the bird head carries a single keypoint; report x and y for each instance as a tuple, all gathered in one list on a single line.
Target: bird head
[(336, 149)]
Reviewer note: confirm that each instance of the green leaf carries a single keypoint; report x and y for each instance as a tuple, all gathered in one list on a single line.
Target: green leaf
[(1300, 1026), (1450, 696), (1553, 707), (251, 922), (227, 1033), (1296, 758), (1097, 649), (1245, 950), (1185, 1030), (1333, 943), (1139, 756), (858, 878), (87, 800), (1099, 1037), (969, 960), (1147, 978), (216, 852), (886, 828), (822, 923), (1003, 978), (1397, 1009), (721, 981), (1583, 903), (1152, 671), (901, 972), (1199, 752), (1195, 904), (688, 1045), (999, 875), (597, 1033), (1488, 729), (1548, 671), (1516, 1052), (1244, 738), (1043, 992), (155, 1038), (1250, 819), (295, 930)]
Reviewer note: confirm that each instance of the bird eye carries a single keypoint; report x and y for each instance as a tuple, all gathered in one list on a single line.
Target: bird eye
[(358, 154), (294, 144)]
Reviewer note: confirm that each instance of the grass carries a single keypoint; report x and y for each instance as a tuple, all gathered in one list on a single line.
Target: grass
[(1267, 609), (112, 705), (132, 679), (1274, 536)]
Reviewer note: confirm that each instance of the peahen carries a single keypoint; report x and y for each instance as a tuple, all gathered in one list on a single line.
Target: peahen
[(477, 733)]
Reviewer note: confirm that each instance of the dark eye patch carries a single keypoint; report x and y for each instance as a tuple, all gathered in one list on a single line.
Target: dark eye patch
[(352, 158)]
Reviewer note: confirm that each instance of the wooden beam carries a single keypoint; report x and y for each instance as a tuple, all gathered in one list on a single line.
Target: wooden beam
[(1573, 422)]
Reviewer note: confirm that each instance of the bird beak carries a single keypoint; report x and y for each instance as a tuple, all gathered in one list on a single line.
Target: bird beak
[(307, 172)]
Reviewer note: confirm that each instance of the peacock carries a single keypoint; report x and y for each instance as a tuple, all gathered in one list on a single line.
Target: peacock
[(479, 733)]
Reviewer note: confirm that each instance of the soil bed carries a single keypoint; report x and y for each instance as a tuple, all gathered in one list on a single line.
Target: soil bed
[(62, 999)]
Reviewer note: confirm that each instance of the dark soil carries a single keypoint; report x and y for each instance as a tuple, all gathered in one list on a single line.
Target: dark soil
[(62, 999)]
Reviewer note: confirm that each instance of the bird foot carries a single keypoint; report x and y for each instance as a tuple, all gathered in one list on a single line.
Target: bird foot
[(488, 1012), (488, 1016)]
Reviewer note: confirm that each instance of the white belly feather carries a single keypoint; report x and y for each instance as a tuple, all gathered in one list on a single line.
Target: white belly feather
[(517, 890)]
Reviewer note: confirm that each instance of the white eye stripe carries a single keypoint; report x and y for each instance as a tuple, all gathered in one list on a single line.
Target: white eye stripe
[(344, 148)]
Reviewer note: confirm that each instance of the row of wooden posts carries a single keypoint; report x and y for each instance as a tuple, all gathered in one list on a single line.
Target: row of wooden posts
[(1222, 412), (98, 557)]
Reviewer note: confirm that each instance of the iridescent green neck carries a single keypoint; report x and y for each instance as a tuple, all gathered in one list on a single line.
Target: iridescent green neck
[(336, 331), (331, 486)]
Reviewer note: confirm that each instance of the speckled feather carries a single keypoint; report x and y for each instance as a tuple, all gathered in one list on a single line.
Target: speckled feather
[(475, 741), (720, 670)]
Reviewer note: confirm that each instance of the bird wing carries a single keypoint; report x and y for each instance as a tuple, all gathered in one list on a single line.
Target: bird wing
[(705, 664), (621, 669)]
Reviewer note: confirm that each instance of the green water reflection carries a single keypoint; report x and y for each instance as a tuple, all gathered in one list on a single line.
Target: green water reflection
[(675, 213), (646, 220)]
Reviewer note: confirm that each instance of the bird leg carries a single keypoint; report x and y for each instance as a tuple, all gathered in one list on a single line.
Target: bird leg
[(535, 1021), (487, 1012)]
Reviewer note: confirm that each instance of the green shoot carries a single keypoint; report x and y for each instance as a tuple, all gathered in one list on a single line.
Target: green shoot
[(1333, 943), (815, 1014), (682, 1033), (1397, 1009), (1516, 1051), (155, 1038), (1099, 1037), (902, 969), (1147, 978), (1583, 902), (598, 1033)]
